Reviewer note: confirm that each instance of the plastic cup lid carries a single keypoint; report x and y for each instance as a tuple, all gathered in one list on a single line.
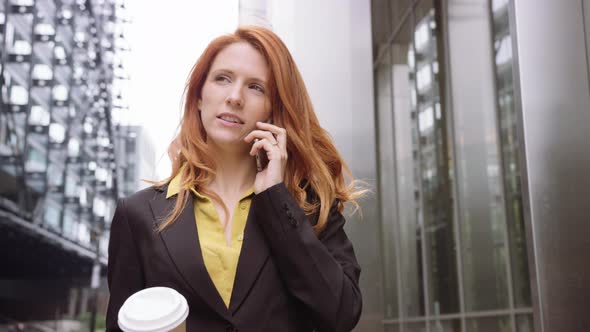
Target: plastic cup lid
[(156, 309)]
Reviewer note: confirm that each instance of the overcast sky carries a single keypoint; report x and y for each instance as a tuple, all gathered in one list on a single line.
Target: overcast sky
[(166, 38)]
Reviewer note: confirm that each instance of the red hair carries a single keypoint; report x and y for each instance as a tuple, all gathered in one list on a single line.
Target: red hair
[(313, 159)]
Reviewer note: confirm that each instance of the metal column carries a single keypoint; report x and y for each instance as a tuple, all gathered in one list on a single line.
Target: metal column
[(552, 72)]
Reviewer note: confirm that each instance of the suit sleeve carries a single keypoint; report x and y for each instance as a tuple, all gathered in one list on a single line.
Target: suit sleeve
[(320, 271), (124, 272)]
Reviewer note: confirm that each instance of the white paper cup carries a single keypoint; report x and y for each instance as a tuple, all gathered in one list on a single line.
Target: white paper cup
[(156, 309)]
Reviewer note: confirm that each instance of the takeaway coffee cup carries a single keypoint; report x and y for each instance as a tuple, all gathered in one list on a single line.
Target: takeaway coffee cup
[(156, 309)]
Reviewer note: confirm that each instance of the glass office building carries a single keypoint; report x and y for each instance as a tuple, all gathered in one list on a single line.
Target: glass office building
[(455, 255), (137, 159), (60, 71), (61, 105)]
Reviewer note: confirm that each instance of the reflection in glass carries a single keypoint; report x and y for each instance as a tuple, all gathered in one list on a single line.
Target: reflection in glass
[(479, 180), (510, 150), (407, 180), (431, 161), (392, 327), (445, 326), (415, 327), (489, 324), (524, 323), (449, 172)]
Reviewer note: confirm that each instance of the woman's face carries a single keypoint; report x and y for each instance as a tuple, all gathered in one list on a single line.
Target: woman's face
[(235, 95)]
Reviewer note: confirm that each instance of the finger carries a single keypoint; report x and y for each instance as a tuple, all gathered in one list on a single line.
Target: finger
[(266, 146), (268, 126), (260, 134), (258, 144), (255, 147), (281, 138), (280, 133)]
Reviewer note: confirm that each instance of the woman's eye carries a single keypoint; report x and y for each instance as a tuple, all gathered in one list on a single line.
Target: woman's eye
[(257, 87), (222, 78)]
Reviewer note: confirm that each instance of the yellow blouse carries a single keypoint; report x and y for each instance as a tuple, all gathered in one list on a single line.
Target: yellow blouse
[(220, 259)]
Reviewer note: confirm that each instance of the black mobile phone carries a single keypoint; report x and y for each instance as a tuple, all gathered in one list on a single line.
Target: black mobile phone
[(261, 157)]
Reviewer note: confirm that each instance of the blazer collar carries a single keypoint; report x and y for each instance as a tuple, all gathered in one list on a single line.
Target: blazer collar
[(174, 187), (182, 243)]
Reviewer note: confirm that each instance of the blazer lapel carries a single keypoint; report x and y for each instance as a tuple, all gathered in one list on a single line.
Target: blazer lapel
[(182, 242), (253, 256)]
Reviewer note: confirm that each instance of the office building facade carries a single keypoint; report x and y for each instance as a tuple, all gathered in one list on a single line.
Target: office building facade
[(448, 132), (61, 101), (137, 159), (466, 224)]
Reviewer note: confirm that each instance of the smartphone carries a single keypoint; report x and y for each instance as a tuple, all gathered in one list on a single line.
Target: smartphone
[(261, 157)]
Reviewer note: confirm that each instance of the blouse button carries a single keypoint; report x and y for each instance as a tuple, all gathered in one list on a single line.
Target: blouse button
[(243, 206), (240, 237)]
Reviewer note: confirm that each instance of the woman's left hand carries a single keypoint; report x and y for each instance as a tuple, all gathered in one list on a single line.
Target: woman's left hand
[(273, 140)]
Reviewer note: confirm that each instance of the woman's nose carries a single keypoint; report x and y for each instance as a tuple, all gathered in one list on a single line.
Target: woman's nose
[(235, 98)]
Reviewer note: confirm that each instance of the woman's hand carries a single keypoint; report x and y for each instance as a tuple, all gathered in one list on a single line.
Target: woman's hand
[(273, 140)]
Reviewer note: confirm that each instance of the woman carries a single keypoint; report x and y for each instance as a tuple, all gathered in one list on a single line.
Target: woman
[(251, 249)]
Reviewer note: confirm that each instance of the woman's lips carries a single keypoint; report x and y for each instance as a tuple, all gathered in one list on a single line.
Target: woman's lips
[(229, 124), (231, 117)]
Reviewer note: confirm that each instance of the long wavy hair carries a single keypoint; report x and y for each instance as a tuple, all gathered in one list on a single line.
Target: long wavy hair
[(313, 159)]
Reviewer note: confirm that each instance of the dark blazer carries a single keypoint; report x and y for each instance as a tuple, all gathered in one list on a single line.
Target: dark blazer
[(287, 279)]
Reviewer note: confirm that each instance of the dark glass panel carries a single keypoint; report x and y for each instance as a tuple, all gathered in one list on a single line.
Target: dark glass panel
[(510, 150), (489, 324), (445, 326)]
